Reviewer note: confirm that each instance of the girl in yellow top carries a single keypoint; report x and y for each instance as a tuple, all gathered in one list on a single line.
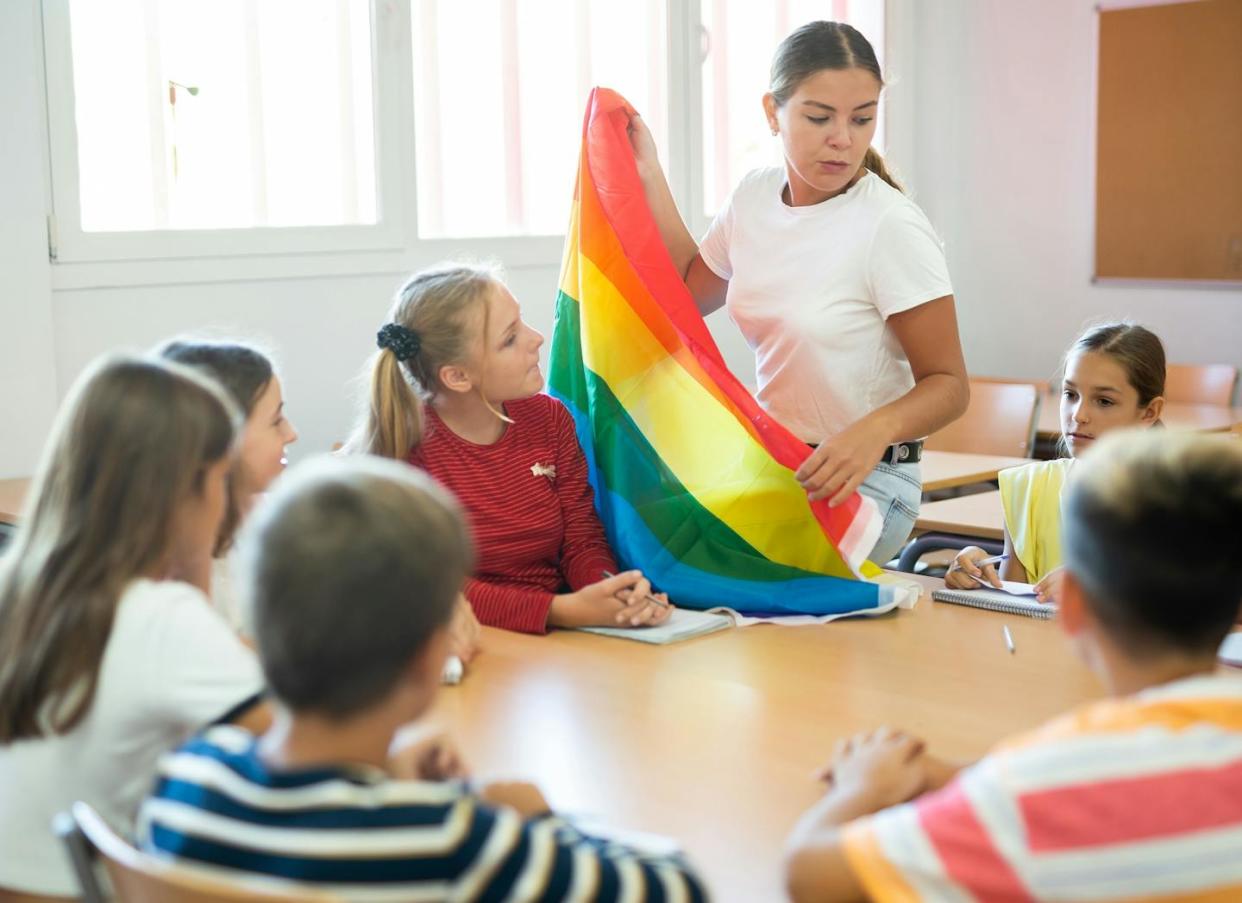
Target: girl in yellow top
[(1114, 378)]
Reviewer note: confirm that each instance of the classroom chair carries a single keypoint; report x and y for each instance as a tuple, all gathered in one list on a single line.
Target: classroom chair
[(138, 877), (1000, 420), (915, 549), (1200, 384)]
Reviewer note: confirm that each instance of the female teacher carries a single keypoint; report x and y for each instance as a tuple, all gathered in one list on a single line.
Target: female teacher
[(835, 278)]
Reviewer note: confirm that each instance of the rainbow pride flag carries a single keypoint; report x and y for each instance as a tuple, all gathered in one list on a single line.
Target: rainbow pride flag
[(693, 481)]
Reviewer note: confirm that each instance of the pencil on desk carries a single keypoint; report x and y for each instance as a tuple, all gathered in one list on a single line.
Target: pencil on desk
[(1008, 639)]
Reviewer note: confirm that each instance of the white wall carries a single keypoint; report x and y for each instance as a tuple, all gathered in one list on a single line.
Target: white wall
[(27, 376), (1004, 168), (320, 331)]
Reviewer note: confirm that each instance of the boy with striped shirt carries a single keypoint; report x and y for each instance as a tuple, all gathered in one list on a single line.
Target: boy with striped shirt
[(353, 568), (1137, 797)]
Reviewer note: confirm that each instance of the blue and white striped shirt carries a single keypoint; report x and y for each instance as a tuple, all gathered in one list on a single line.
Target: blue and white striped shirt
[(359, 834)]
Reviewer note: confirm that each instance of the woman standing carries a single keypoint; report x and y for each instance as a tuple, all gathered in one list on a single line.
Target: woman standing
[(836, 279)]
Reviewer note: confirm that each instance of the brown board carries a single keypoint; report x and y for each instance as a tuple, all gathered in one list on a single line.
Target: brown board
[(1168, 198)]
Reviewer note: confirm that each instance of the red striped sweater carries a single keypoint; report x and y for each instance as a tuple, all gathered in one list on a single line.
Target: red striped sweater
[(530, 507)]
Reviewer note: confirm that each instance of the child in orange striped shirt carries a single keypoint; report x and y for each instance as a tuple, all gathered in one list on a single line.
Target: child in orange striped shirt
[(1136, 797)]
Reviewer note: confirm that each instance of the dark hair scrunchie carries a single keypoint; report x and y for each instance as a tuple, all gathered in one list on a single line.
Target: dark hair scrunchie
[(403, 343)]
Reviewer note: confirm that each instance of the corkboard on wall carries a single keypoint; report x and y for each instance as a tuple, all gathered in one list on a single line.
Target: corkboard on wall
[(1168, 197)]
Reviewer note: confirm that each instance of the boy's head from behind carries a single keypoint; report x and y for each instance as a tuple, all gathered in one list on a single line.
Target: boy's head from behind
[(352, 568), (1152, 541)]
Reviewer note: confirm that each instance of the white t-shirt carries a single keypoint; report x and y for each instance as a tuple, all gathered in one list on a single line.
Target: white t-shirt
[(224, 596), (811, 288), (171, 666)]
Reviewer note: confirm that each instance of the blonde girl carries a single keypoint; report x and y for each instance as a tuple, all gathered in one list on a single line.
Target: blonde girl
[(455, 389)]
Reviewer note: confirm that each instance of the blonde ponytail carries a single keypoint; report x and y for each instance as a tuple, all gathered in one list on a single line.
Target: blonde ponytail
[(436, 307), (395, 422)]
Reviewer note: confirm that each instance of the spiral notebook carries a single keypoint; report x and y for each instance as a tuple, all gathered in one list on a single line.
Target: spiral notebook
[(996, 600)]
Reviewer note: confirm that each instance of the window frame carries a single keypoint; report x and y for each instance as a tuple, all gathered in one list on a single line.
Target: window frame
[(391, 246)]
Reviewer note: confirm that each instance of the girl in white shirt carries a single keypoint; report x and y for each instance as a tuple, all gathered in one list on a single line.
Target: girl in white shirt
[(106, 661), (835, 278), (251, 381)]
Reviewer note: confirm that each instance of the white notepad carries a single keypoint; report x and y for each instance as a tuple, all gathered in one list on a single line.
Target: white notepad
[(1013, 587), (1230, 651), (996, 600), (682, 624)]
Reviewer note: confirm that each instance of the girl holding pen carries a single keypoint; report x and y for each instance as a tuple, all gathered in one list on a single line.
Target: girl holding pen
[(1114, 379)]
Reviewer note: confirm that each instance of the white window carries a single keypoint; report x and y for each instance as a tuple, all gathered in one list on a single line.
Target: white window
[(740, 38), (500, 93), (385, 132), (183, 126)]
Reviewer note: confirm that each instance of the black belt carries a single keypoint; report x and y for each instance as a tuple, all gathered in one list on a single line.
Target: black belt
[(903, 453), (899, 452)]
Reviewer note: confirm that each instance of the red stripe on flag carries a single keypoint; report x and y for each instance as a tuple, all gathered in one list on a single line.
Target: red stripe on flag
[(966, 849), (1133, 809)]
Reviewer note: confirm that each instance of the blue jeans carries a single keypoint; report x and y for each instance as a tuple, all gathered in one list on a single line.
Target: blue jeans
[(897, 490)]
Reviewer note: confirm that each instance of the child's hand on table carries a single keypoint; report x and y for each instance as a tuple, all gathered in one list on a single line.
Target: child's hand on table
[(524, 797), (1048, 590), (608, 604), (878, 769), (421, 754)]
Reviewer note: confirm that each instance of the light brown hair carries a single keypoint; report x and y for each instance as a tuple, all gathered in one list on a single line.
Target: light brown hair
[(440, 305), (1152, 529), (822, 45), (340, 547), (245, 373), (1136, 349), (131, 443)]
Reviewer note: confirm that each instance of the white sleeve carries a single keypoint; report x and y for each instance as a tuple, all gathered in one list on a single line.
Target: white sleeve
[(714, 248), (198, 669), (906, 265)]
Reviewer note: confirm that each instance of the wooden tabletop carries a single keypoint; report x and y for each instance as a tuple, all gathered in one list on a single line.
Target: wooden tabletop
[(12, 495), (969, 515), (714, 741), (1205, 417), (947, 470)]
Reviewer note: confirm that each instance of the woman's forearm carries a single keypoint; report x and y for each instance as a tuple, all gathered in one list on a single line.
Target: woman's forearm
[(935, 401), (677, 238)]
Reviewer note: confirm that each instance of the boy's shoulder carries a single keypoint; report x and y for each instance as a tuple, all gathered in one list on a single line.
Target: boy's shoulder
[(1193, 710)]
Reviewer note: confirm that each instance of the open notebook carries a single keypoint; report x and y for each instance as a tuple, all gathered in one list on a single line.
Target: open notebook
[(1015, 599), (682, 624)]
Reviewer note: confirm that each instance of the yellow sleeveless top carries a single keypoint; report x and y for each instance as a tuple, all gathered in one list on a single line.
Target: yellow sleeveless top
[(1031, 497)]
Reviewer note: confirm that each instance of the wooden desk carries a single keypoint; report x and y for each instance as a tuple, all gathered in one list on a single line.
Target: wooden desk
[(1203, 417), (12, 496), (967, 515), (948, 470), (714, 741)]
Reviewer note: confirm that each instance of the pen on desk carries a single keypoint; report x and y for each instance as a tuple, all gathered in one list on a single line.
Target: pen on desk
[(650, 598), (1008, 639)]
